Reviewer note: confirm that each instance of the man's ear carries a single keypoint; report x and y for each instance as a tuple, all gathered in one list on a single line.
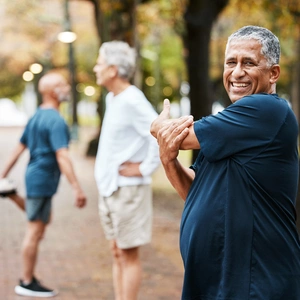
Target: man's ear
[(113, 71), (274, 73), (54, 93)]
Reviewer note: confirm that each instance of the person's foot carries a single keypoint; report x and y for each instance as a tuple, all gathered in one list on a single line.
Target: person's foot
[(34, 289), (7, 187)]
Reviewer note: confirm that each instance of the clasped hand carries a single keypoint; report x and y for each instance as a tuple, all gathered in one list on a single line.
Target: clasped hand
[(170, 133)]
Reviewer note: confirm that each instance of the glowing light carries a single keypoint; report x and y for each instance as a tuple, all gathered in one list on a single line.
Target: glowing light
[(36, 68), (150, 81), (167, 91), (89, 90), (80, 87), (67, 37), (27, 76)]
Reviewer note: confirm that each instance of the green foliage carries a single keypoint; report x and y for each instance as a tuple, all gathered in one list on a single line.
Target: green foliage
[(10, 85), (33, 38), (274, 15), (160, 27)]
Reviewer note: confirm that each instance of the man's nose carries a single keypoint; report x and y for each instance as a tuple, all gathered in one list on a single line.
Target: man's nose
[(238, 71)]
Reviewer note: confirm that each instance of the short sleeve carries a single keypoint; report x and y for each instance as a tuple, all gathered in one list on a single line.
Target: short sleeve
[(253, 120), (59, 135), (23, 138)]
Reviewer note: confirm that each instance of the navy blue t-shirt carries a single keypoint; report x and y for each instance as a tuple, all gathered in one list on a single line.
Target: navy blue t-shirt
[(238, 232), (45, 133)]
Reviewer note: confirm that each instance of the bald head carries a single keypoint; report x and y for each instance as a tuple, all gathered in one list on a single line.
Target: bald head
[(53, 86), (50, 81)]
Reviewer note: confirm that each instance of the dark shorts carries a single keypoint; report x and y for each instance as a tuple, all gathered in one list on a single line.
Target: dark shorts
[(38, 209)]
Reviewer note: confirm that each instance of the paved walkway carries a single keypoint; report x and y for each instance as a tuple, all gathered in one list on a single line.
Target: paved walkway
[(74, 256)]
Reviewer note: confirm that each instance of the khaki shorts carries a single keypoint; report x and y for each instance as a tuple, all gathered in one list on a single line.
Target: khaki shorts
[(126, 216)]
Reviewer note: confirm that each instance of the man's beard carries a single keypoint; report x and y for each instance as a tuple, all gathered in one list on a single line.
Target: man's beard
[(64, 98)]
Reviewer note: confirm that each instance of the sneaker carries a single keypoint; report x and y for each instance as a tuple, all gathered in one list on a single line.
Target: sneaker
[(34, 289), (7, 187)]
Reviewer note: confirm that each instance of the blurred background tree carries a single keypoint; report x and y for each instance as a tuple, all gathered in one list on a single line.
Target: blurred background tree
[(162, 30), (178, 41)]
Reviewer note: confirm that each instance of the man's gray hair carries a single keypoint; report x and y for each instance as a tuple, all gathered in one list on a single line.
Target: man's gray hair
[(121, 55), (270, 43)]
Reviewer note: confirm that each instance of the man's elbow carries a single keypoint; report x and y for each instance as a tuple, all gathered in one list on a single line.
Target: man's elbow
[(61, 155)]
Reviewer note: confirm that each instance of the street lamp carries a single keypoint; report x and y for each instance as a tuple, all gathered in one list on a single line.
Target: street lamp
[(68, 37), (36, 69), (29, 97)]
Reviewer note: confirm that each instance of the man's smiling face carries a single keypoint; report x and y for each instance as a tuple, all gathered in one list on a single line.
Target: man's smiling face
[(246, 71)]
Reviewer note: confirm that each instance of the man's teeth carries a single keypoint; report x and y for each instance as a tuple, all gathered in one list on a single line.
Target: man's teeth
[(239, 84)]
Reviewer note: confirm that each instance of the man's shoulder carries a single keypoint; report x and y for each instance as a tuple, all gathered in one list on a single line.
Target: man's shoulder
[(133, 90), (269, 107), (47, 112), (135, 96), (262, 100), (51, 113), (50, 118), (262, 96)]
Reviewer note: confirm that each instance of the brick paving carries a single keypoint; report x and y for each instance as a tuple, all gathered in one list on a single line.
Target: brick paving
[(74, 257)]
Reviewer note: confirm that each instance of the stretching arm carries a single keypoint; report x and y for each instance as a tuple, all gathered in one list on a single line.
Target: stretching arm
[(170, 139), (163, 122), (180, 177), (13, 159), (173, 135)]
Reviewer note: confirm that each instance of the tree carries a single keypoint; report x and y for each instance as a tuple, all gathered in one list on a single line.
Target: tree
[(115, 20), (33, 39), (200, 17)]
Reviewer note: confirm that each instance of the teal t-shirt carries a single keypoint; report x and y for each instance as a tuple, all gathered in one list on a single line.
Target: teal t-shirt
[(45, 133), (238, 232)]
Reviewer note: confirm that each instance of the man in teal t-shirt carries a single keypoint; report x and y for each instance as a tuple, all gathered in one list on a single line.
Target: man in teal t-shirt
[(46, 137), (238, 236), (44, 134)]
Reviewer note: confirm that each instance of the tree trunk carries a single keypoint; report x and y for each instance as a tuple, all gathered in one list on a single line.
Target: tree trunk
[(115, 20), (199, 19)]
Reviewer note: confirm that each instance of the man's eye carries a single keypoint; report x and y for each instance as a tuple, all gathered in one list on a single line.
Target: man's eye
[(231, 63), (249, 63)]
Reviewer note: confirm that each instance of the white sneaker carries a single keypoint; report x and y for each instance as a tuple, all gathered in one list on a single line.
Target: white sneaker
[(7, 187)]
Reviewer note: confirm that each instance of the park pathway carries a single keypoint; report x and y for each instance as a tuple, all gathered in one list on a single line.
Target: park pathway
[(74, 257)]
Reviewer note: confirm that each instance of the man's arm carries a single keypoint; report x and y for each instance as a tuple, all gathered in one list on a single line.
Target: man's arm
[(13, 159), (130, 169), (170, 139), (66, 167), (173, 135), (163, 122), (180, 177)]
